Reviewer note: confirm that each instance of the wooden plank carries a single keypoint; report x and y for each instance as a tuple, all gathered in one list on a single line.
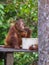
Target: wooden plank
[(15, 50), (43, 31), (9, 59)]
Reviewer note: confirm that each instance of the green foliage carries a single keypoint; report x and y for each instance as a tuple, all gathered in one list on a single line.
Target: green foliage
[(15, 9), (12, 10), (25, 58)]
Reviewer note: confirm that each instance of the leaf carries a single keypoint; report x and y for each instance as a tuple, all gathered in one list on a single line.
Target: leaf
[(1, 6), (1, 11)]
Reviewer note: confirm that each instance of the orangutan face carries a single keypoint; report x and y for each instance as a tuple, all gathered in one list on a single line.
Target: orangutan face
[(20, 25)]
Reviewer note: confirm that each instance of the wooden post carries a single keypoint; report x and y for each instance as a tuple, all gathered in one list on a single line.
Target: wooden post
[(43, 31), (9, 59)]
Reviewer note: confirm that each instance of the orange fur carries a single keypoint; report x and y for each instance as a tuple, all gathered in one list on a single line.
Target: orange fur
[(15, 35)]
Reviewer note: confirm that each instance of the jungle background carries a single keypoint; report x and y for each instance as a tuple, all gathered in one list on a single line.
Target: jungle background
[(11, 10)]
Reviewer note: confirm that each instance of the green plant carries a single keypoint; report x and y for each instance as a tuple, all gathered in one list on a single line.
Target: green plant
[(25, 58)]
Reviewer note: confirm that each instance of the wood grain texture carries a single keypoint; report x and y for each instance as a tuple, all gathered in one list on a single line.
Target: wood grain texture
[(15, 50), (9, 59), (43, 31)]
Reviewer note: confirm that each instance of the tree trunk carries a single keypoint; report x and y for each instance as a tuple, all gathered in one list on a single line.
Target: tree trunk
[(43, 31)]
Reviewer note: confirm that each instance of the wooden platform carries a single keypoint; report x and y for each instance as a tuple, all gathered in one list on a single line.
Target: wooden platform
[(15, 50), (7, 54)]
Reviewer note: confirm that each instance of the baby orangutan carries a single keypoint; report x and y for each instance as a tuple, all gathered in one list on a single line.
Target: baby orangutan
[(15, 35)]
